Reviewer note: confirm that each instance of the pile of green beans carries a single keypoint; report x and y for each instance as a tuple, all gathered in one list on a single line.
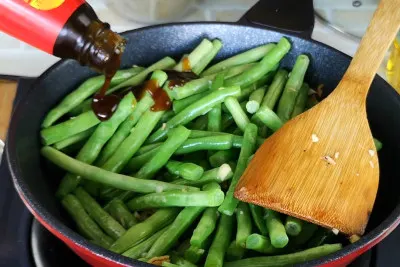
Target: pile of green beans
[(158, 185)]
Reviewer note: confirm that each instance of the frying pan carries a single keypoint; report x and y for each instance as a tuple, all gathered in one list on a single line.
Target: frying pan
[(36, 182)]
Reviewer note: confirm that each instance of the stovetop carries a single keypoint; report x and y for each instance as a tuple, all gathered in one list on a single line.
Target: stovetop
[(25, 243)]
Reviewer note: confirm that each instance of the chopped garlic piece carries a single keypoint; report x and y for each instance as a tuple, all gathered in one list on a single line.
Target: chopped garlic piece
[(357, 174), (164, 125), (329, 160), (336, 155), (372, 164), (223, 171), (314, 138), (335, 231), (354, 238), (371, 152)]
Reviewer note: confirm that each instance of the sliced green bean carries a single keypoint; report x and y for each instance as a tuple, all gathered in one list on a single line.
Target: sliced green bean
[(248, 148), (255, 100), (82, 136), (292, 87), (301, 100), (276, 229), (83, 221), (267, 64), (186, 170), (237, 112), (293, 226), (222, 238), (207, 58), (218, 175), (162, 64), (191, 88), (176, 137), (215, 114), (288, 259), (205, 227), (145, 229), (141, 249), (257, 213), (86, 89), (194, 110), (221, 157), (106, 177), (378, 144), (231, 71), (105, 221), (308, 230), (194, 254), (168, 239), (269, 118), (244, 226), (275, 89), (235, 252), (248, 56), (133, 142), (199, 123), (198, 54), (119, 211), (93, 146), (71, 127), (211, 198), (260, 244), (179, 105)]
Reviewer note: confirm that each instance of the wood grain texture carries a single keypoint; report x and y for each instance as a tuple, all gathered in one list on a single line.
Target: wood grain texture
[(8, 91), (322, 166)]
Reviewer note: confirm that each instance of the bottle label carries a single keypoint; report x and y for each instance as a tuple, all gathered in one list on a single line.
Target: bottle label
[(36, 22), (45, 5)]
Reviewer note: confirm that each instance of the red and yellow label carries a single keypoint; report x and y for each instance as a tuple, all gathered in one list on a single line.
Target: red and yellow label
[(45, 4)]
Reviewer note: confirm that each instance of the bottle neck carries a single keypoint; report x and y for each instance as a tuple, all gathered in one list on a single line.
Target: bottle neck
[(91, 42)]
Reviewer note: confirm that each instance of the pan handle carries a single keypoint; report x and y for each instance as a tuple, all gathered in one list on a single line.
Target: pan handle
[(288, 16)]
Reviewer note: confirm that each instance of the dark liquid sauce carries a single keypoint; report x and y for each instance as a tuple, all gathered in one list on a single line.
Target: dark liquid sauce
[(177, 78)]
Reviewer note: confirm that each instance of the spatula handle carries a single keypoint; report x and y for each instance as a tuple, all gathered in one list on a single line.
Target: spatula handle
[(375, 43)]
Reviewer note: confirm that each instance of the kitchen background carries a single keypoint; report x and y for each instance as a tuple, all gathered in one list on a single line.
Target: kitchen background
[(352, 17)]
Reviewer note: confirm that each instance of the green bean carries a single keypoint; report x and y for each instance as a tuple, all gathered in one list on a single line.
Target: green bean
[(210, 198), (66, 129), (255, 100), (200, 123), (145, 229), (260, 244), (215, 114), (292, 87), (231, 71), (221, 157), (180, 261), (196, 56), (168, 239), (237, 112), (248, 56), (207, 58), (248, 148), (133, 142), (186, 170), (218, 175), (205, 227), (191, 88), (194, 254), (288, 259), (82, 136), (219, 142), (93, 146), (267, 64), (198, 133), (85, 90), (301, 100), (105, 221), (320, 237), (276, 229), (194, 110), (162, 64), (235, 252), (82, 107), (119, 211), (106, 177), (176, 137), (275, 89), (269, 118), (83, 221), (378, 144), (293, 226), (258, 218), (308, 230), (123, 131), (168, 264), (140, 249), (222, 238), (244, 226), (179, 105)]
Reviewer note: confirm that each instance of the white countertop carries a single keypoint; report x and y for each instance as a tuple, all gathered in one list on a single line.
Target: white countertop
[(17, 58)]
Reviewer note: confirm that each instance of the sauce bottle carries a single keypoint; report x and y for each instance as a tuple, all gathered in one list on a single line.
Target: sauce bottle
[(66, 29)]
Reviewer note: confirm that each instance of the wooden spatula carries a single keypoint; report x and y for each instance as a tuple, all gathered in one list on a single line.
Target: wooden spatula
[(322, 166)]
